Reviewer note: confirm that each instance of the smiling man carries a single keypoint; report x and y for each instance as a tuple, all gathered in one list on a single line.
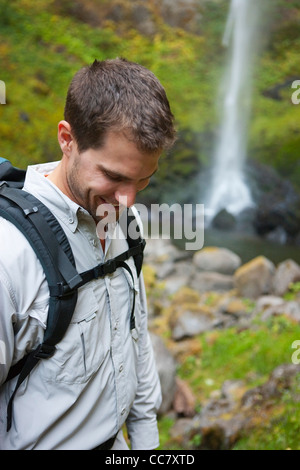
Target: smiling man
[(117, 122)]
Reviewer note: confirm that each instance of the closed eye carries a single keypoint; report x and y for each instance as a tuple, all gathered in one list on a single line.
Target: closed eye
[(113, 177), (117, 177)]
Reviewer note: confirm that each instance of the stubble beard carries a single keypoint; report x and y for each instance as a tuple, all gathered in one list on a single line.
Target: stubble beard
[(79, 194), (82, 197)]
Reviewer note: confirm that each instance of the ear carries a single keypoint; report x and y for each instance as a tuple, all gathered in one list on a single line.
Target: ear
[(65, 138)]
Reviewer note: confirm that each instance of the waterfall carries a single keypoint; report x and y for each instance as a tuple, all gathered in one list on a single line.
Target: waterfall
[(228, 189)]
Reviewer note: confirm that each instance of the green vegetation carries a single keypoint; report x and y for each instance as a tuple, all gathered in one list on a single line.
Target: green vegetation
[(42, 44), (41, 50), (294, 290)]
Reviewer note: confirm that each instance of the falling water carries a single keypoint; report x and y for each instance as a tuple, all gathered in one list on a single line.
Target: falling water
[(229, 189)]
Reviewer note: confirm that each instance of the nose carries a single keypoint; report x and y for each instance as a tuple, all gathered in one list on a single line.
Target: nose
[(126, 194)]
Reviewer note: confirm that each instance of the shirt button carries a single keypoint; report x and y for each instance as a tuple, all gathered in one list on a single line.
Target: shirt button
[(121, 368), (71, 220), (123, 411)]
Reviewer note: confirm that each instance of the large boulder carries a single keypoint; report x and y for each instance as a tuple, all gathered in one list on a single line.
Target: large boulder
[(255, 278), (191, 320), (220, 260)]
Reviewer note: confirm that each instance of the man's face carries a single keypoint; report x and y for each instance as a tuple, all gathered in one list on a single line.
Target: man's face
[(110, 175)]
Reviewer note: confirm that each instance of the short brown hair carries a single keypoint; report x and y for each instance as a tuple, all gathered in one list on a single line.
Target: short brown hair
[(119, 95)]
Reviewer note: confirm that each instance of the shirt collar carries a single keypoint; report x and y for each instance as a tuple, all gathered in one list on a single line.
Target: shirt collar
[(48, 193)]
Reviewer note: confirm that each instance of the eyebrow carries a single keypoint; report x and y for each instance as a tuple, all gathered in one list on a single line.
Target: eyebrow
[(115, 174)]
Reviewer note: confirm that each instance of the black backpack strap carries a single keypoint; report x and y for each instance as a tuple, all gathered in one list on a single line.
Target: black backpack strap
[(136, 243), (111, 265), (43, 231), (14, 175)]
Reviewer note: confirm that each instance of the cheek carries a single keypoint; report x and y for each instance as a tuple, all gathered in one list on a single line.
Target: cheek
[(101, 187), (143, 185)]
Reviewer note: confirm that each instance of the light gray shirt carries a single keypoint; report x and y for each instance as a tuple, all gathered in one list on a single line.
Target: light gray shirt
[(102, 374)]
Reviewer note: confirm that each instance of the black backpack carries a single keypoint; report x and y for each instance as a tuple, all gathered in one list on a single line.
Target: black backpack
[(49, 241)]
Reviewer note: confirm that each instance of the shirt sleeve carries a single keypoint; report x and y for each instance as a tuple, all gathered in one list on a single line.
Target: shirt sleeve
[(7, 310), (142, 420), (19, 331)]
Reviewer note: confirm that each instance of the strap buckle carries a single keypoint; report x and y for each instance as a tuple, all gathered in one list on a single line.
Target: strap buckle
[(59, 290), (110, 266)]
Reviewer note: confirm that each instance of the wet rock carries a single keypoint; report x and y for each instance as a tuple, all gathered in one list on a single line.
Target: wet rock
[(255, 278), (224, 220), (278, 235), (277, 204), (214, 259)]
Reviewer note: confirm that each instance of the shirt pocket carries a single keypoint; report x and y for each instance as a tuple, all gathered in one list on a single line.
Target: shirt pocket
[(80, 353)]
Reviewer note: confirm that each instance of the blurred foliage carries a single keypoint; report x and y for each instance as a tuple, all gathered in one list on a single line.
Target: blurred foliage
[(44, 42)]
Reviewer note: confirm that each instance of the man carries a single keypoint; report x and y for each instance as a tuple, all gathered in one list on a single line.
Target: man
[(117, 123)]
